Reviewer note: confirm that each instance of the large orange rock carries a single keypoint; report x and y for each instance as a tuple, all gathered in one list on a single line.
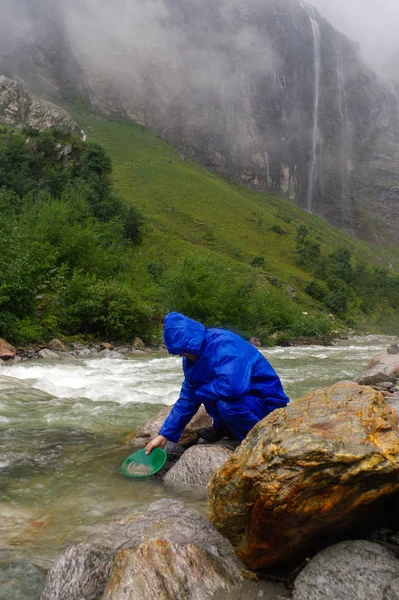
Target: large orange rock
[(7, 351), (306, 472)]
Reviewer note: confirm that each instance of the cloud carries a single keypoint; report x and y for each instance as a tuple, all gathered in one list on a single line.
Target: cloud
[(372, 23)]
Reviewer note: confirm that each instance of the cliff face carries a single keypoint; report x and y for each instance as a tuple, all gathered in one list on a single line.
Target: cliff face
[(265, 92), (18, 107)]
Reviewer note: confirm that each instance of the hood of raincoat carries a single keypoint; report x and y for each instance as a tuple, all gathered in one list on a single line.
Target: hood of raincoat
[(182, 334)]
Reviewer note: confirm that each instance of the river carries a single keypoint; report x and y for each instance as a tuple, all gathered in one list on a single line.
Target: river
[(63, 424)]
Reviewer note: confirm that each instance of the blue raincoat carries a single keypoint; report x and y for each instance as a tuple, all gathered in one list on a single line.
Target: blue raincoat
[(231, 378)]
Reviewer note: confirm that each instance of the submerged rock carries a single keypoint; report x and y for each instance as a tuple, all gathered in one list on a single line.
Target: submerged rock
[(190, 435), (197, 466), (81, 572), (168, 571), (355, 570), (306, 472), (19, 579)]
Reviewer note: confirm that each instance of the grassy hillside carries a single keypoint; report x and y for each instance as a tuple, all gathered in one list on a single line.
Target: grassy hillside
[(213, 249), (193, 211)]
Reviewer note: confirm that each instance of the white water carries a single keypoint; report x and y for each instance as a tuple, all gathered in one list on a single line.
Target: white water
[(316, 102)]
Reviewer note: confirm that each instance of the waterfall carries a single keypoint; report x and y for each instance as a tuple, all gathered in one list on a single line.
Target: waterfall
[(316, 103), (345, 138)]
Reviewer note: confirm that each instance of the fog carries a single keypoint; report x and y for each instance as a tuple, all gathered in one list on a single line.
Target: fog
[(372, 23)]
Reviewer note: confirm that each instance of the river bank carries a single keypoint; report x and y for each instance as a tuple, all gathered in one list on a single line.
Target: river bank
[(57, 349)]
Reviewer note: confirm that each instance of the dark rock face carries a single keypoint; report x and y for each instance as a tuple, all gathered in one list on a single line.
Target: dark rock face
[(355, 570), (281, 494)]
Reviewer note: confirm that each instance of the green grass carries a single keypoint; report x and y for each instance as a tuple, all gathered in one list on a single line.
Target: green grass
[(186, 203)]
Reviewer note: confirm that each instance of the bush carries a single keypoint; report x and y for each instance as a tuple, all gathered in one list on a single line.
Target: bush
[(311, 326), (258, 261), (106, 308), (317, 290)]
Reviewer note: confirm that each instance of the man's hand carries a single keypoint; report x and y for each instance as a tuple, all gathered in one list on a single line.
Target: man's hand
[(158, 442)]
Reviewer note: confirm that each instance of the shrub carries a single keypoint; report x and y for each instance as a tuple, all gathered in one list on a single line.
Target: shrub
[(317, 290)]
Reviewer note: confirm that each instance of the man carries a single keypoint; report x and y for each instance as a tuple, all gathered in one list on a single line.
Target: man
[(231, 378)]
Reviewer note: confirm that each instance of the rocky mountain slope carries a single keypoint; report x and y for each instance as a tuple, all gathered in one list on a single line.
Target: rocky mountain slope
[(19, 107), (267, 93)]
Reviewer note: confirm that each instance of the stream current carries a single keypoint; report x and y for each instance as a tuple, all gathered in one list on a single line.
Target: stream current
[(63, 426)]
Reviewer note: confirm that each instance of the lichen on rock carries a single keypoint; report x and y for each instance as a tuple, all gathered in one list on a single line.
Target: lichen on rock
[(305, 473)]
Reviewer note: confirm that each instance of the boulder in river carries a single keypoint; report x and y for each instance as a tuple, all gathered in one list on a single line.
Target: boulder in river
[(161, 569), (81, 572), (306, 473), (7, 352), (197, 466), (355, 570), (189, 436), (386, 368), (393, 349)]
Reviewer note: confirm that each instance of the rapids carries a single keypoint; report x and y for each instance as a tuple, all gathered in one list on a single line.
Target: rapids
[(63, 424)]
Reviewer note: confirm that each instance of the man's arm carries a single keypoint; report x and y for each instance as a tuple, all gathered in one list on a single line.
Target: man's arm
[(180, 415)]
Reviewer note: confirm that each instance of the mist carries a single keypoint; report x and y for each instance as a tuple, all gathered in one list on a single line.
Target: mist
[(374, 24)]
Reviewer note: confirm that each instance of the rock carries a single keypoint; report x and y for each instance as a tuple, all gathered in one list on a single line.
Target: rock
[(255, 342), (382, 372), (391, 592), (167, 520), (57, 346), (174, 451), (384, 385), (197, 466), (170, 571), (7, 352), (283, 490), (48, 354), (106, 346), (393, 349), (18, 107), (138, 344), (124, 350), (386, 360), (355, 570), (190, 435), (81, 572), (84, 352)]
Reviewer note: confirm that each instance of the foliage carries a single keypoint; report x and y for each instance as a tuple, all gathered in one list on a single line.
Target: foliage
[(60, 219)]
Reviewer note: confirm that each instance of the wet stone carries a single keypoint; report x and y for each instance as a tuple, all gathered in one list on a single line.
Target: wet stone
[(19, 579), (355, 570)]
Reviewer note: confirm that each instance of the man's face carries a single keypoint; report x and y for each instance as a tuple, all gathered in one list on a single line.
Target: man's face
[(192, 357)]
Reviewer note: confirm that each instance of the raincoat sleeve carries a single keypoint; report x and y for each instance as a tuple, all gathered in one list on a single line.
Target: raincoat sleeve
[(232, 376), (180, 415)]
